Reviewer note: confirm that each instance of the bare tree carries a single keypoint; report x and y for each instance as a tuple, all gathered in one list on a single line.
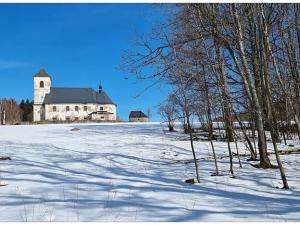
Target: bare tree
[(168, 111), (149, 113), (10, 112), (229, 60)]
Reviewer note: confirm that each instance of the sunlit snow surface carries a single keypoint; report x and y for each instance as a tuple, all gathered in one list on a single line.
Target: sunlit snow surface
[(133, 172)]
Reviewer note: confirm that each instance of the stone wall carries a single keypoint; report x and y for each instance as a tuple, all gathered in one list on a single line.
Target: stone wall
[(61, 113), (104, 117), (38, 112), (138, 119)]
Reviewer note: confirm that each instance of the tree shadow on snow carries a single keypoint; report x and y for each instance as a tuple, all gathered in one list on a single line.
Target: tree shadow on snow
[(148, 185)]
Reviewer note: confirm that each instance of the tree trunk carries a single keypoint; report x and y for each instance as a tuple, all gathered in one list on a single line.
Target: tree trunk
[(262, 146), (192, 147), (271, 120), (225, 97)]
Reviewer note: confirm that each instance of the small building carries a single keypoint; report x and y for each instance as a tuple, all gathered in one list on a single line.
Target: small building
[(138, 116)]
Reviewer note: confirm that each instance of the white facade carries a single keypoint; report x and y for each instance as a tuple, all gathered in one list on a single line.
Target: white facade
[(73, 112), (66, 111)]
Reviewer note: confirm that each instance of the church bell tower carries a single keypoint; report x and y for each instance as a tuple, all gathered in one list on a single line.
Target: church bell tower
[(42, 85)]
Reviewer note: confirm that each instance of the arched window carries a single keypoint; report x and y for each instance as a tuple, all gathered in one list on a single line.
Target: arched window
[(41, 84)]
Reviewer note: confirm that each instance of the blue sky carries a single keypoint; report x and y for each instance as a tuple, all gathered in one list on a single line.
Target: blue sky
[(79, 45)]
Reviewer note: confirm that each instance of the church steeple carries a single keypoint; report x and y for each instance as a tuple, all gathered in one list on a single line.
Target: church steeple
[(42, 85), (100, 88), (42, 73)]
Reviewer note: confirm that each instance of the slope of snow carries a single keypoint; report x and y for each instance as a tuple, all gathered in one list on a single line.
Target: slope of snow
[(133, 172)]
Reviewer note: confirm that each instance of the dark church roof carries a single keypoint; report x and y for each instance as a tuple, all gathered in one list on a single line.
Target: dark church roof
[(42, 73), (137, 114), (76, 95)]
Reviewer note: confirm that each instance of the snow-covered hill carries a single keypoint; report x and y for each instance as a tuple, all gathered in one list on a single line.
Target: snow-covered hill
[(133, 172)]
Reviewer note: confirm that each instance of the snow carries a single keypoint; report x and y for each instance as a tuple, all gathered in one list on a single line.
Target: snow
[(133, 172)]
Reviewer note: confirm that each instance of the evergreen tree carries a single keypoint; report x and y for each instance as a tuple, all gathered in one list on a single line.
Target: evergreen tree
[(27, 108)]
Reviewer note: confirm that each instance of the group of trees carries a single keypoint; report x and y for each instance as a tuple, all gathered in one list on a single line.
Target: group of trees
[(10, 112), (13, 113), (223, 60), (27, 109)]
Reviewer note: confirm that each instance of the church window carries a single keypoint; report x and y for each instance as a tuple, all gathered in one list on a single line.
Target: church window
[(85, 108), (76, 108), (41, 84), (67, 108), (101, 108), (54, 108), (102, 117)]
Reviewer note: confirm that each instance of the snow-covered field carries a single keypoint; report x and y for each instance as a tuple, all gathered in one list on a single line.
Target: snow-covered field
[(133, 172)]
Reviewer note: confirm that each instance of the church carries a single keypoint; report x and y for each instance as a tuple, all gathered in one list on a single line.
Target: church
[(69, 104)]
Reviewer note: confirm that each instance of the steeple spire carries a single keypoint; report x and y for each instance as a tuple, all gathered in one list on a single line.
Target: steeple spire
[(42, 73)]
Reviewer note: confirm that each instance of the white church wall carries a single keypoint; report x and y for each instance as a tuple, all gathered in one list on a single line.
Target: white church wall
[(38, 112), (61, 112)]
